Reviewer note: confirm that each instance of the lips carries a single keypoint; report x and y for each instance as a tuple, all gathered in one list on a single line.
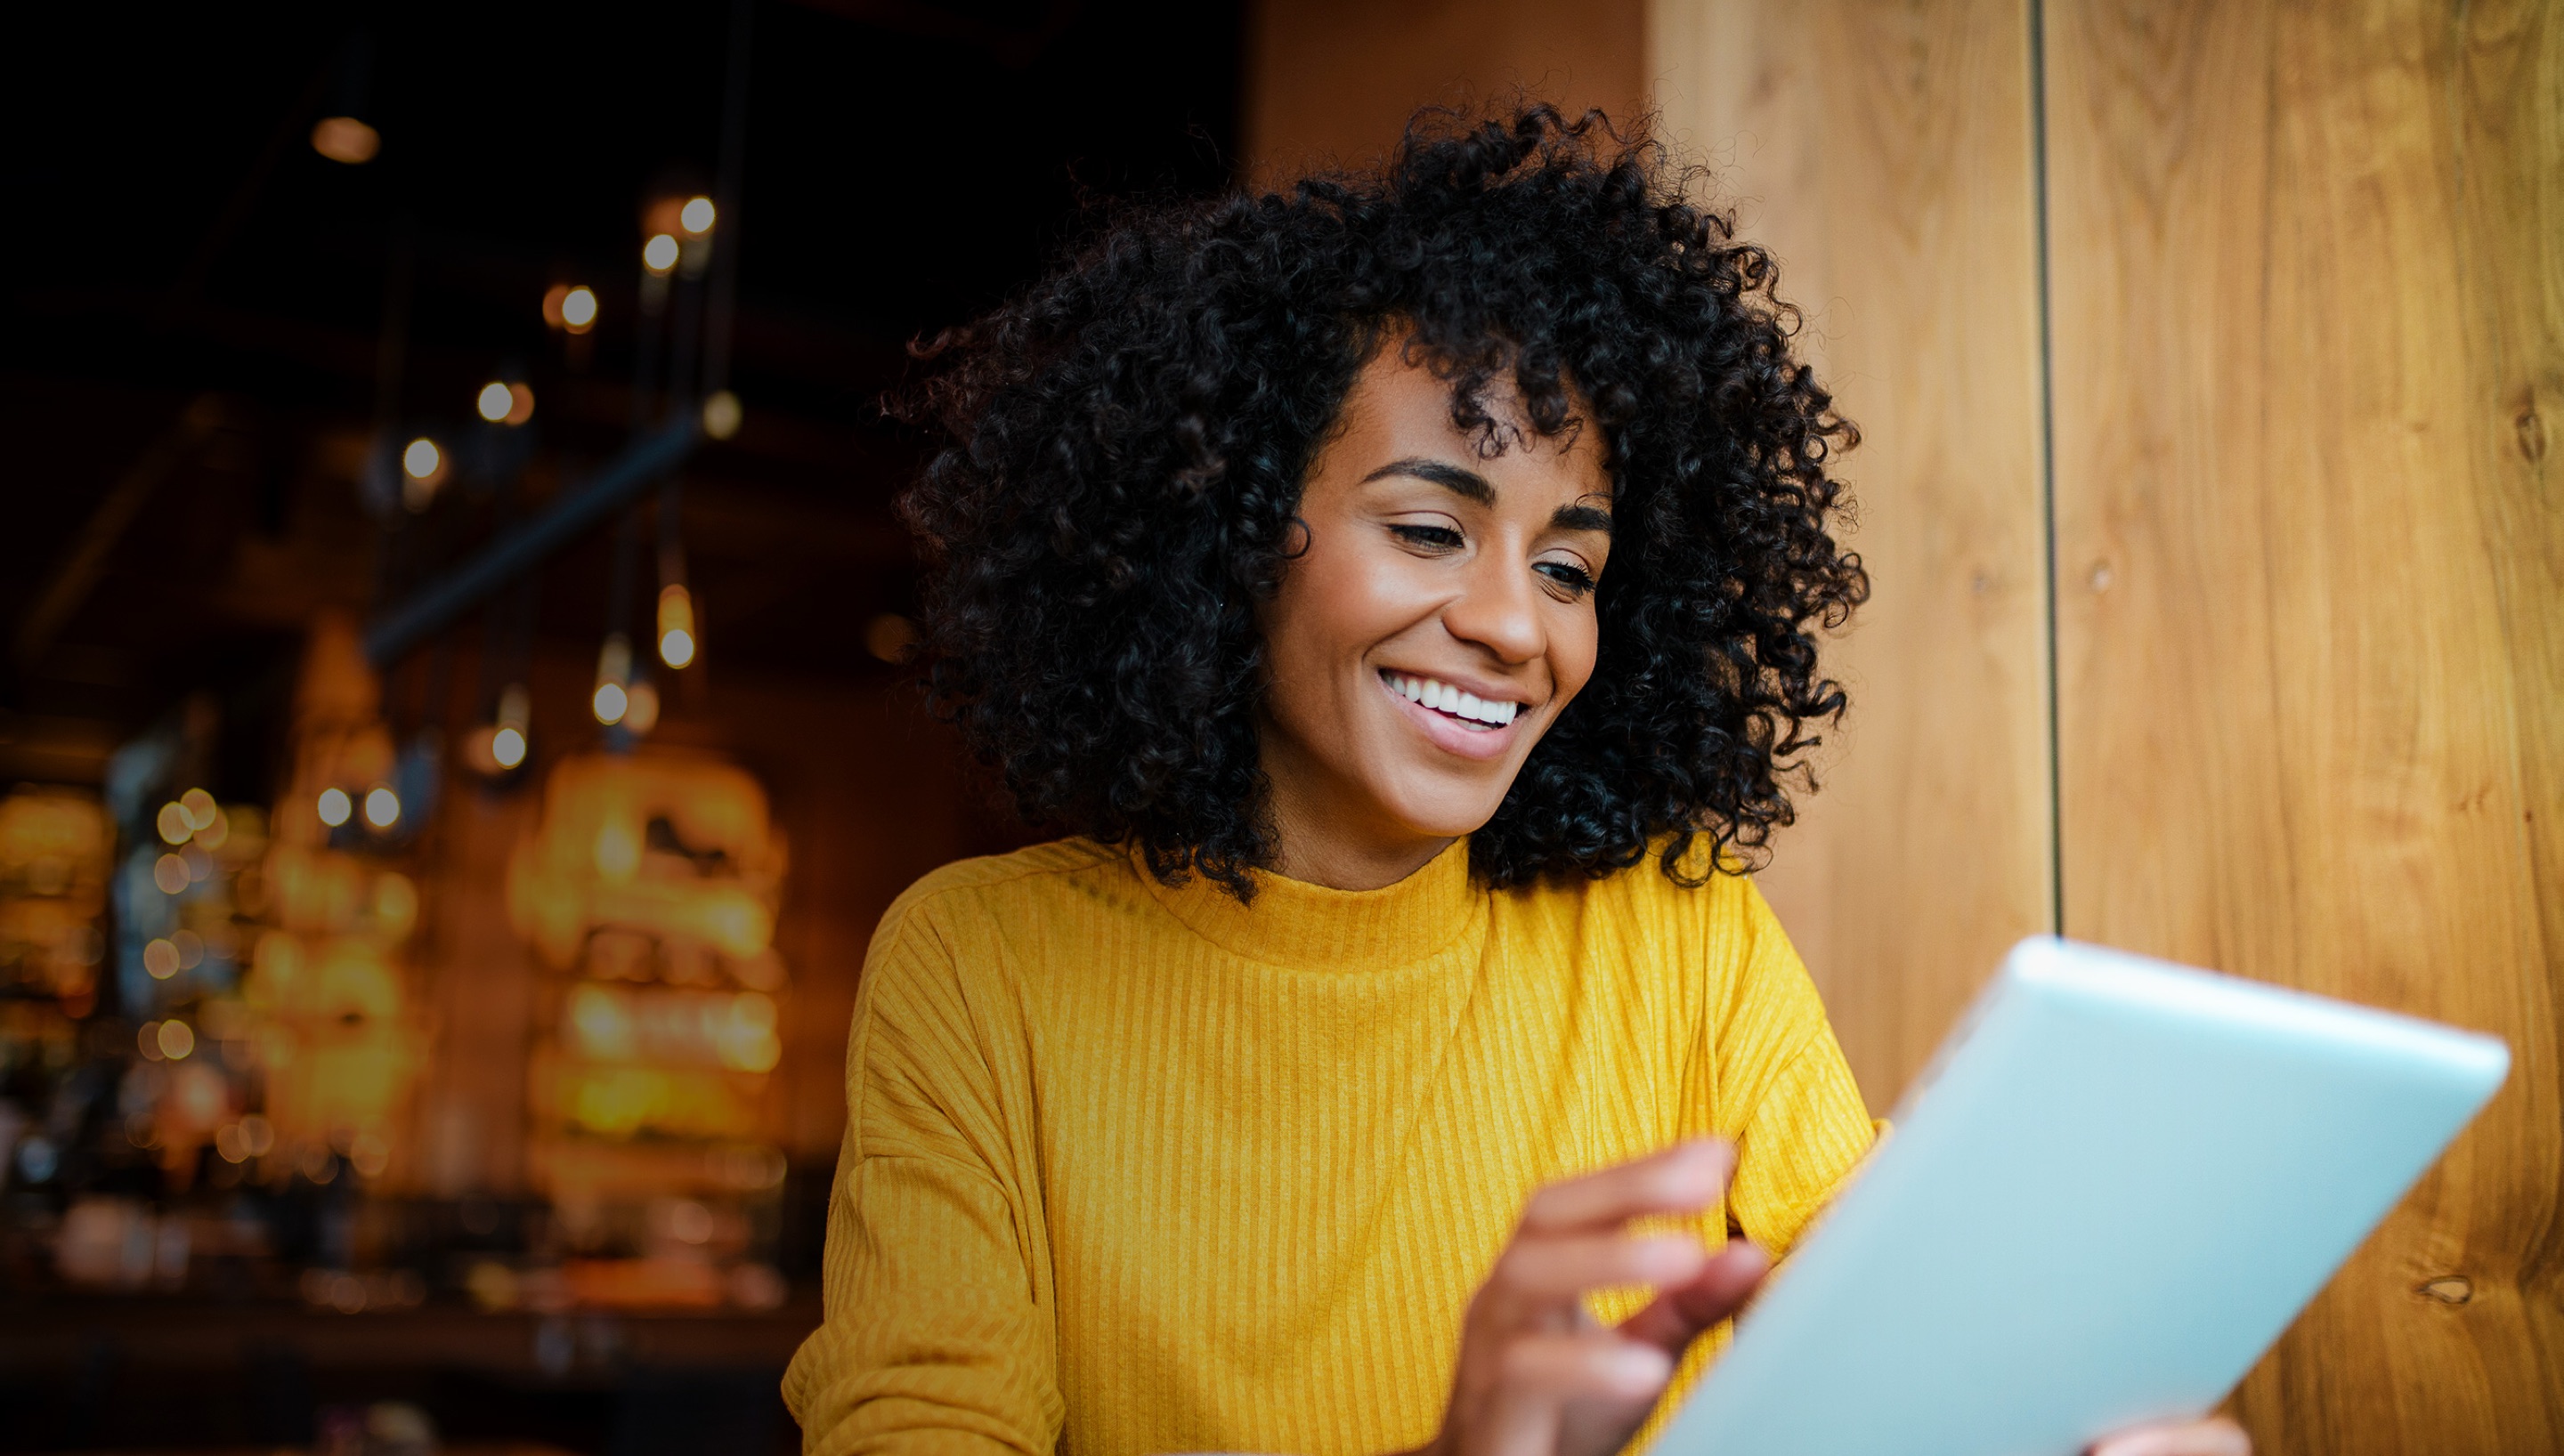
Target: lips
[(1459, 721)]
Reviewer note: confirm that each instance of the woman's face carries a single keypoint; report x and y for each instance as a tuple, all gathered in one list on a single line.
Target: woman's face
[(1439, 620)]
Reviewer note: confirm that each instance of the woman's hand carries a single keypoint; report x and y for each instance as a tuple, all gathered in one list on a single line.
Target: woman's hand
[(1538, 1375)]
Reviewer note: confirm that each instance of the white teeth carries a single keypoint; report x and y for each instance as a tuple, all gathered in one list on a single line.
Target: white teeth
[(1443, 698)]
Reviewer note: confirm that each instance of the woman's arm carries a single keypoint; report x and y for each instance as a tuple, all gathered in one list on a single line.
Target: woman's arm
[(935, 1337)]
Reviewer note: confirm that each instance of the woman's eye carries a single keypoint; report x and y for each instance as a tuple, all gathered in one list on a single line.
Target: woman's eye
[(1568, 574), (1435, 537)]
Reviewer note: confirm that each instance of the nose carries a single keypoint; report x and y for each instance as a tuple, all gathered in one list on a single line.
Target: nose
[(1496, 610)]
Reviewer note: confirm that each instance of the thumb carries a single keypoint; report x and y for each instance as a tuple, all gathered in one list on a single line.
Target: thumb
[(1677, 1316)]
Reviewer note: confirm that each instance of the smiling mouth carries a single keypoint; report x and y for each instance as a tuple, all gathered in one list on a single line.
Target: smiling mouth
[(1477, 714)]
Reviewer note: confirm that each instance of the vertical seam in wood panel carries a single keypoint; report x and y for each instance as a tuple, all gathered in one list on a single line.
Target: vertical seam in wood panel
[(2038, 16)]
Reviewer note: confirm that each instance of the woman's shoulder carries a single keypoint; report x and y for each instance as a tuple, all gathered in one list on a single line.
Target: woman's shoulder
[(1034, 869), (1009, 885)]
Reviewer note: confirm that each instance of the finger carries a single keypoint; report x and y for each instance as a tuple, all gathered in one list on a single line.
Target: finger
[(1592, 1365), (1539, 1274), (1685, 1179), (1678, 1313), (2215, 1437)]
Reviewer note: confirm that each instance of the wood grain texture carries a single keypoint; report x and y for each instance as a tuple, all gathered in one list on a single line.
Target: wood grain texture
[(2308, 345), (1332, 83), (1883, 152)]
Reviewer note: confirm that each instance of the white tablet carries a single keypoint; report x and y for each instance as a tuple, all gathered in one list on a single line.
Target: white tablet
[(2114, 1187)]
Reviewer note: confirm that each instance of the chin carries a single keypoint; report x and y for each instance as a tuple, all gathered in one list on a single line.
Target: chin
[(1446, 816)]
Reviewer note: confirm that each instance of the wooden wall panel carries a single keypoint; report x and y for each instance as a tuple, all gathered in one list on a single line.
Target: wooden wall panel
[(2308, 342), (1883, 153), (1333, 82)]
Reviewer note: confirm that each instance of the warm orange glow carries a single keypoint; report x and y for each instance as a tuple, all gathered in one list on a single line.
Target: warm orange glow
[(170, 872), (346, 140), (641, 706), (198, 806), (177, 1039), (570, 307), (676, 625), (618, 849), (172, 824), (559, 885)]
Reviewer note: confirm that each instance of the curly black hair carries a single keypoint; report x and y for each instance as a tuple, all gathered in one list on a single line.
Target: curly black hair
[(1126, 442)]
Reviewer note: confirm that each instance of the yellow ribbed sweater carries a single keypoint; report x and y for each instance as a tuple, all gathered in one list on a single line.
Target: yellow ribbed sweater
[(1137, 1170)]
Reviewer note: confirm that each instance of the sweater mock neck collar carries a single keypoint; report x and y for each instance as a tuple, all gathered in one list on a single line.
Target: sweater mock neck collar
[(1311, 928)]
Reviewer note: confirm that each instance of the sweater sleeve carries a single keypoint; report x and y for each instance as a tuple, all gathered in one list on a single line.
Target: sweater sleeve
[(935, 1337), (1781, 1088)]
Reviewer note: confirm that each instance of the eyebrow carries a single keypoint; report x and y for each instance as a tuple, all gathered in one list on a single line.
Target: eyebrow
[(1471, 486)]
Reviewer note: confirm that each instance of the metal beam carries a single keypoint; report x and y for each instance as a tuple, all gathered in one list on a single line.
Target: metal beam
[(521, 547)]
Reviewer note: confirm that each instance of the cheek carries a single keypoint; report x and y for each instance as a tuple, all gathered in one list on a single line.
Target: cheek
[(1333, 607), (1574, 646)]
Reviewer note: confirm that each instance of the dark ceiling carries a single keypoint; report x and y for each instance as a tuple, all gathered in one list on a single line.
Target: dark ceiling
[(197, 303)]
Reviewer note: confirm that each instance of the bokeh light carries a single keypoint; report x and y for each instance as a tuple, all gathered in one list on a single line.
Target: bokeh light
[(722, 414), (336, 807), (345, 139)]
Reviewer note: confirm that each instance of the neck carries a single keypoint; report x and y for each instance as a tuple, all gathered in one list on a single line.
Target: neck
[(1319, 840)]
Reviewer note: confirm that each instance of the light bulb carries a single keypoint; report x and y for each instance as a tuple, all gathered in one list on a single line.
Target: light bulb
[(345, 139), (571, 307), (676, 625), (722, 414), (676, 647), (383, 808), (335, 806)]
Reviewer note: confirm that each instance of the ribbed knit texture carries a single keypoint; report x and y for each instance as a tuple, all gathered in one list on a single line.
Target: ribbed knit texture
[(1138, 1169)]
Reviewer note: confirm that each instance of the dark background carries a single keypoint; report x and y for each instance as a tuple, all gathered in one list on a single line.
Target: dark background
[(172, 237)]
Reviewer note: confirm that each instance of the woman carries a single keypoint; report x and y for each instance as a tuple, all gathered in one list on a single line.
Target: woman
[(1406, 590)]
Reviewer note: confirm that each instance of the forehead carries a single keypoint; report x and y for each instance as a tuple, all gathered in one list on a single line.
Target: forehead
[(1398, 405)]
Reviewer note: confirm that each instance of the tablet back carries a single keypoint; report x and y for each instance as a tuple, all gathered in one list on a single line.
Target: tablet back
[(2116, 1185)]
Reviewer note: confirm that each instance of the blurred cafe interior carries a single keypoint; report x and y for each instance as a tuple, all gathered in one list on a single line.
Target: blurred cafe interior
[(454, 735)]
